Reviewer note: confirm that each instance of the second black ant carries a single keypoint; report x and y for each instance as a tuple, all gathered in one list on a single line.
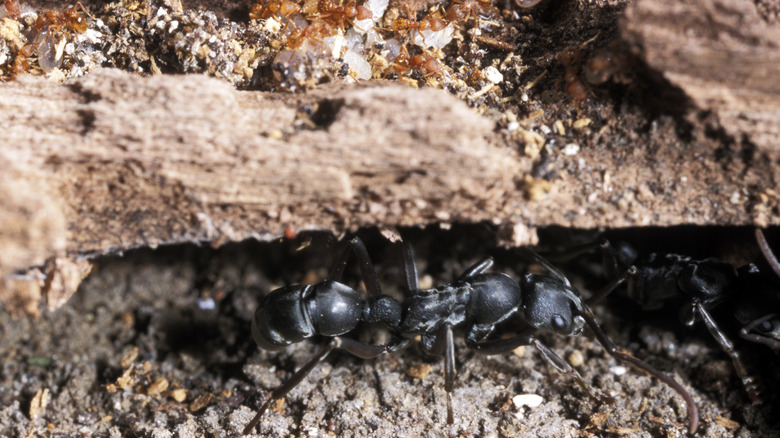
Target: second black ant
[(478, 301), (703, 285)]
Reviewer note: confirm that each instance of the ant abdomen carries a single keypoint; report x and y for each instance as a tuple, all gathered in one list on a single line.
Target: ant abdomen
[(295, 313)]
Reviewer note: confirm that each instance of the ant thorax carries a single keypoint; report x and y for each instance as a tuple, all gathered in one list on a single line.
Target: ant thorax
[(429, 309)]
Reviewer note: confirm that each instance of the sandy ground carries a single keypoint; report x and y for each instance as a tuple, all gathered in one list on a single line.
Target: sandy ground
[(157, 344)]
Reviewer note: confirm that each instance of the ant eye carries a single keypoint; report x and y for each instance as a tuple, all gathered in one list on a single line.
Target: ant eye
[(557, 322)]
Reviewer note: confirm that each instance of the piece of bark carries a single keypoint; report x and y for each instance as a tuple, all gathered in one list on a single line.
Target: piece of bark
[(115, 161), (722, 54)]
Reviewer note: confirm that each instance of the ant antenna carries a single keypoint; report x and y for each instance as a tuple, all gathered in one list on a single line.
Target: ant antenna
[(767, 251)]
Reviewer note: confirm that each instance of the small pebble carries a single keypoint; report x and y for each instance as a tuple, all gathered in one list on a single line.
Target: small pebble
[(527, 400), (493, 75), (571, 149), (576, 359)]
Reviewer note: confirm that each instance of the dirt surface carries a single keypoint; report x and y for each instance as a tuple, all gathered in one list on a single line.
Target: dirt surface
[(157, 344)]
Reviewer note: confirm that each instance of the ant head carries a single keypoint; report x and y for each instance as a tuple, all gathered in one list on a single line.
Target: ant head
[(764, 330), (551, 305), (769, 326)]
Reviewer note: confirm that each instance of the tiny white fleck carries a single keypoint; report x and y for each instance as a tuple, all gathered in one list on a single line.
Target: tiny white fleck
[(493, 75), (571, 149), (545, 129), (618, 370), (206, 303), (528, 400)]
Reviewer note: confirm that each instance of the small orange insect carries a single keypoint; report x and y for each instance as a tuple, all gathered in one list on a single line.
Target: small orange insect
[(404, 26), (46, 27), (462, 10), (405, 63), (282, 8), (12, 9), (340, 14)]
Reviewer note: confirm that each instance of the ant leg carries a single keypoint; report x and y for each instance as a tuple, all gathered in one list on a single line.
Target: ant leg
[(292, 383), (341, 262), (767, 251), (449, 369), (370, 278), (410, 270), (499, 346), (612, 350), (444, 344), (573, 252), (477, 268), (536, 258), (744, 333), (359, 349), (595, 110), (611, 286), (609, 259), (725, 343)]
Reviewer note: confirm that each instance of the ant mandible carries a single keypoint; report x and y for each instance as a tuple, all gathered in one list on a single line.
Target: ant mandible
[(478, 301)]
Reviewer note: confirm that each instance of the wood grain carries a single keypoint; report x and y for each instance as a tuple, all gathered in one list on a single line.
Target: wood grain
[(722, 54)]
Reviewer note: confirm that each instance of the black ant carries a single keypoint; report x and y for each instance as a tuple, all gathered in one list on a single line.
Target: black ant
[(761, 327), (653, 280), (478, 301)]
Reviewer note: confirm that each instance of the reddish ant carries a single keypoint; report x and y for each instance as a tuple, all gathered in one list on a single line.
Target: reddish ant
[(403, 26), (46, 26), (311, 33), (284, 8), (571, 59), (404, 63), (462, 10), (340, 14), (612, 62), (12, 9), (55, 21)]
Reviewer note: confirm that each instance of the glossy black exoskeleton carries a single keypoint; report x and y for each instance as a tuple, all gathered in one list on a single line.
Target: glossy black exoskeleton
[(478, 301), (702, 285)]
